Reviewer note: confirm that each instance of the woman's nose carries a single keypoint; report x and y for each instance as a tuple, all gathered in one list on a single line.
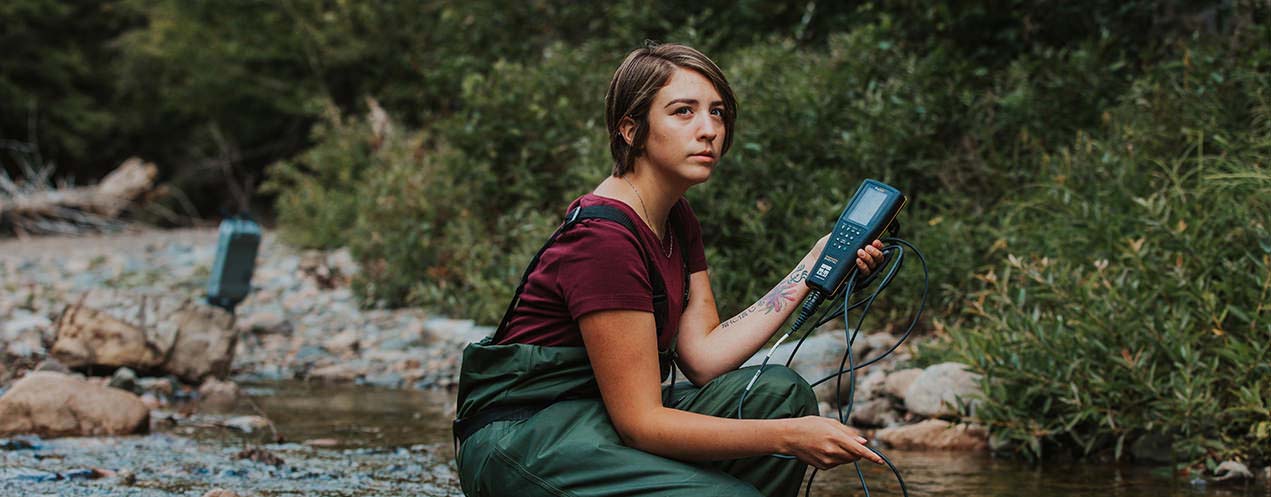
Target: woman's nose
[(709, 128)]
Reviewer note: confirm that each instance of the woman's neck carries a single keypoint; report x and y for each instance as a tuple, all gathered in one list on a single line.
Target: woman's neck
[(650, 199)]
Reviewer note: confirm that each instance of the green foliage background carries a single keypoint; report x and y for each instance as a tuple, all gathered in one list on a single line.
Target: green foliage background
[(1088, 179)]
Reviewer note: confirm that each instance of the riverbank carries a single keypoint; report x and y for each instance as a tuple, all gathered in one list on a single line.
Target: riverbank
[(300, 322)]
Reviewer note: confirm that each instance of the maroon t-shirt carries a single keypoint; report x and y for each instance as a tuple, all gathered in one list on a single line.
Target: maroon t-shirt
[(596, 265)]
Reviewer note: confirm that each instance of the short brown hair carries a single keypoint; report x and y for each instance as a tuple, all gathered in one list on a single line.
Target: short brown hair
[(645, 71)]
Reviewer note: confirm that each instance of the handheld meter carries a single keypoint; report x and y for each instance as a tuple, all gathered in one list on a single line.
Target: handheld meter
[(871, 212)]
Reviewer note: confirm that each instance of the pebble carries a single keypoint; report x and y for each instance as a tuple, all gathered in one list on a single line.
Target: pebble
[(217, 392), (246, 424), (1232, 471), (21, 442), (125, 379), (322, 442), (220, 492)]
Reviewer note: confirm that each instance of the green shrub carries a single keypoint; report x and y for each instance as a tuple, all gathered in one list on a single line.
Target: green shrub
[(1132, 298), (453, 228), (317, 191)]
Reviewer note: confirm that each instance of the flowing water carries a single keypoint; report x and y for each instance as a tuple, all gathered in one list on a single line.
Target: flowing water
[(344, 441)]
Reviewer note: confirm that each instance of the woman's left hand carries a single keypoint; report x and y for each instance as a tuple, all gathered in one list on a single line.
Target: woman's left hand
[(869, 258)]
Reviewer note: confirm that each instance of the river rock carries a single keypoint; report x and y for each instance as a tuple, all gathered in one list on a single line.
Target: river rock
[(260, 455), (54, 404), (220, 492), (21, 322), (876, 344), (344, 344), (1232, 471), (898, 382), (869, 386), (218, 393), (204, 345), (124, 379), (941, 388), (336, 373), (875, 413), (193, 341), (247, 424), (88, 337), (159, 387), (30, 345), (268, 321), (817, 358), (935, 434)]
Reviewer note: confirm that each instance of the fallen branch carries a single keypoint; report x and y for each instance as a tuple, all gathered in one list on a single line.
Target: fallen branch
[(34, 207)]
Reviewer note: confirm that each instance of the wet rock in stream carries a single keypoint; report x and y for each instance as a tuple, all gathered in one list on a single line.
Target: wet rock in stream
[(56, 404)]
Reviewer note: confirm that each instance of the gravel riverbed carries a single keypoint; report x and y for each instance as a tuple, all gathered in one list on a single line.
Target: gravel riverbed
[(300, 326), (300, 322)]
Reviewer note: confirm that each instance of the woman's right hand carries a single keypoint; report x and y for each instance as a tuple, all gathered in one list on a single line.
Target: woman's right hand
[(824, 443)]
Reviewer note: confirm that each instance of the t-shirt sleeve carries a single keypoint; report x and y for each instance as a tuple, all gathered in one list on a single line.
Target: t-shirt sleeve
[(692, 230), (601, 268)]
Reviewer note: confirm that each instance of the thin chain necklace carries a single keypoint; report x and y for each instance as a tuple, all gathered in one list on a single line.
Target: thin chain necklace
[(670, 235)]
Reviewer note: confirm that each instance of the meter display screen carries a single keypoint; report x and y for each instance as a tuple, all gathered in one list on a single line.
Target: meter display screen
[(865, 210)]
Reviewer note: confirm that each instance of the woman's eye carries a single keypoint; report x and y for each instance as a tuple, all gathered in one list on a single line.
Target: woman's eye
[(683, 110), (717, 112)]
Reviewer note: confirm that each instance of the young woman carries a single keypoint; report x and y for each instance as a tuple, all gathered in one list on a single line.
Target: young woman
[(566, 398)]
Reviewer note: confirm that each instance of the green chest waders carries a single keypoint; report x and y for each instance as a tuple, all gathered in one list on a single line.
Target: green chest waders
[(530, 421), (515, 381)]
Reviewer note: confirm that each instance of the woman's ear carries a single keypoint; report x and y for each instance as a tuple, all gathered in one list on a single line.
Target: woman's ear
[(627, 126)]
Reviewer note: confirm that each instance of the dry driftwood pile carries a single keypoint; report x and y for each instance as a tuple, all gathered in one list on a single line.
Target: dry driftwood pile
[(33, 206)]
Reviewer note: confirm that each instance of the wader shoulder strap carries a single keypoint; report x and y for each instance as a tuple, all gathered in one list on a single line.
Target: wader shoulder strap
[(467, 426), (609, 213)]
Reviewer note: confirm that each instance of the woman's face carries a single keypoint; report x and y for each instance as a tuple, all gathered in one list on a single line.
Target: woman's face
[(686, 128)]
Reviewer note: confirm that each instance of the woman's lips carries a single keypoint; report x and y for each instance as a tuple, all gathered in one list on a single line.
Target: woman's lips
[(703, 157)]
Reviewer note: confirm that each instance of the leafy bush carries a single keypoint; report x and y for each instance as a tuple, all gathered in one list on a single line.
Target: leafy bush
[(1133, 296), (452, 226), (317, 191)]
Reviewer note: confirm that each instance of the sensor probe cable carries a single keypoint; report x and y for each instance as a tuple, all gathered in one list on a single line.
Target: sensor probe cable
[(810, 304)]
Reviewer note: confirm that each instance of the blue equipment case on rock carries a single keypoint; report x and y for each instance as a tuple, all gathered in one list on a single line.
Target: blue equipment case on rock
[(235, 260)]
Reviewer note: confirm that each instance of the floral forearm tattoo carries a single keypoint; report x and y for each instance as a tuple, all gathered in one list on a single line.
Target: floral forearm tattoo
[(777, 299)]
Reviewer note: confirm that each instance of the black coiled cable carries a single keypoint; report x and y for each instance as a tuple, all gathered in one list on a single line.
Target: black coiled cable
[(810, 304)]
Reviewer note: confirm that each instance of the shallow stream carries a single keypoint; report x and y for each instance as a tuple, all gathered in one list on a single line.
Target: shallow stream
[(347, 441)]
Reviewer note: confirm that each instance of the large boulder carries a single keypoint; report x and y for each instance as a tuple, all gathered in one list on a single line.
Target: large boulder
[(935, 434), (941, 389), (898, 382), (187, 339), (821, 355), (204, 345), (817, 358), (88, 337), (52, 404), (875, 413)]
